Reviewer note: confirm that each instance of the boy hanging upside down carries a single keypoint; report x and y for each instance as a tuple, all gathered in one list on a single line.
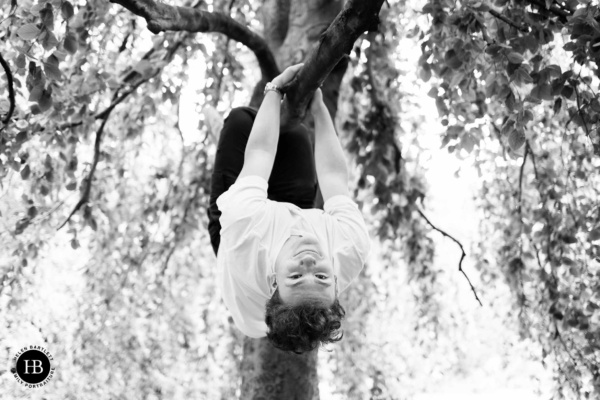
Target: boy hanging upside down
[(282, 262)]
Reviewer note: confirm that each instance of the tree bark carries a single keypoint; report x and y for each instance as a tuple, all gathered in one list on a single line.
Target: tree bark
[(309, 22), (271, 374), (268, 373), (162, 17)]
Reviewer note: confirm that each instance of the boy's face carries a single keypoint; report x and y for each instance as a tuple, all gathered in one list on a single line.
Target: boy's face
[(303, 272)]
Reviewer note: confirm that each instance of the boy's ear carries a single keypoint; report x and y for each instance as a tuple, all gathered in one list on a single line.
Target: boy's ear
[(273, 281)]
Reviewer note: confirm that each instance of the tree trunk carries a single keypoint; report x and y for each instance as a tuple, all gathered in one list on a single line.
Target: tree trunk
[(292, 28), (268, 373)]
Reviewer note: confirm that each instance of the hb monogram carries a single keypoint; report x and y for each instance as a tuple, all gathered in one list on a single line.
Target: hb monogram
[(37, 366)]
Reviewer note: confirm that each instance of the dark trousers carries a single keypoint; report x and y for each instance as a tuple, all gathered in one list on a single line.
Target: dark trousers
[(293, 178)]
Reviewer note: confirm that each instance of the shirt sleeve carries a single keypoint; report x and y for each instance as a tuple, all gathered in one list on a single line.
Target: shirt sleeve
[(244, 201), (353, 247)]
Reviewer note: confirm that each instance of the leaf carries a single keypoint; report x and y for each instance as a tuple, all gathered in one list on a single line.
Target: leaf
[(92, 223), (594, 234), (467, 142), (51, 68), (20, 62), (516, 139), (28, 32), (21, 137), (70, 44), (567, 91), (144, 67), (425, 74), (557, 105), (515, 57), (493, 49), (522, 76), (25, 173), (66, 10), (452, 59), (32, 212), (508, 126), (569, 239), (49, 41), (21, 225), (47, 16), (546, 92), (45, 101), (510, 101), (36, 93)]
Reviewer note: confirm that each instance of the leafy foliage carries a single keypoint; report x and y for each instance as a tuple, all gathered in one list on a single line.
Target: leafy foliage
[(522, 75)]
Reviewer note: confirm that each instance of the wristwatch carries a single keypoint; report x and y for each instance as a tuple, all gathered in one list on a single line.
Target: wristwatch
[(273, 87)]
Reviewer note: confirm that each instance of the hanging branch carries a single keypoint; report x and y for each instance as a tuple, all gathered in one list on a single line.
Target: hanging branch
[(163, 17), (85, 197), (462, 257), (509, 22), (11, 91), (580, 111), (521, 176)]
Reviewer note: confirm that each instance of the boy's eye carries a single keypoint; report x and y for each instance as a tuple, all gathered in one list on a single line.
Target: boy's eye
[(295, 276), (320, 276)]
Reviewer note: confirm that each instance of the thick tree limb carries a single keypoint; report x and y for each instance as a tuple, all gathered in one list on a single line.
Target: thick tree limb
[(335, 43), (11, 90), (275, 16), (462, 257), (162, 17)]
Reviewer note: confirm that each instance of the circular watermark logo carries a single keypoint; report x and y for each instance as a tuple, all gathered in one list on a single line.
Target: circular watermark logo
[(33, 366)]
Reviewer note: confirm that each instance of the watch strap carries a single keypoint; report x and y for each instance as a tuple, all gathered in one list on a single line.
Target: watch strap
[(271, 86)]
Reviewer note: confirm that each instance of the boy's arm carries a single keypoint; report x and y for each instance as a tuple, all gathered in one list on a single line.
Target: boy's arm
[(332, 171), (262, 142), (259, 155)]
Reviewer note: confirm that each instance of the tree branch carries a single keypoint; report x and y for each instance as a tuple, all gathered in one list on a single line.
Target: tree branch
[(162, 17), (85, 197), (11, 91), (462, 257), (535, 170), (521, 177), (581, 115), (508, 21), (334, 45)]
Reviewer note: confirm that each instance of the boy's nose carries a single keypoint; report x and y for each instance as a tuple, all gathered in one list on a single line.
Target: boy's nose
[(308, 259)]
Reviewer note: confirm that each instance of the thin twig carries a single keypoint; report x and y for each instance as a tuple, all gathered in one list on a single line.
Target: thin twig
[(462, 257), (177, 230), (11, 91), (88, 181), (532, 154), (521, 177), (587, 131), (509, 21)]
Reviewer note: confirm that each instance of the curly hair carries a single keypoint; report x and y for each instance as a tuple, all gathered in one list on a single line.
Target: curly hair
[(302, 327)]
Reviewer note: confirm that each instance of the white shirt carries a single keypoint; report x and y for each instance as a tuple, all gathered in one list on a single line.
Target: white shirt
[(253, 231)]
